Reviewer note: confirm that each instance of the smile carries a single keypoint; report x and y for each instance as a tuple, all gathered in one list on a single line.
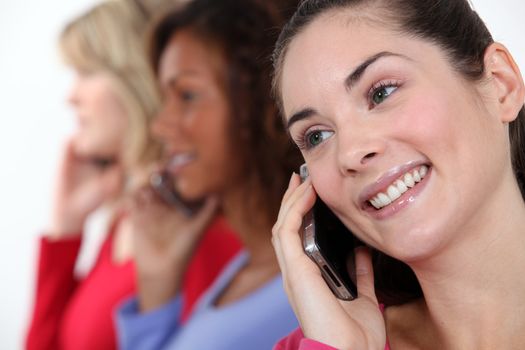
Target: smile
[(179, 161), (398, 187)]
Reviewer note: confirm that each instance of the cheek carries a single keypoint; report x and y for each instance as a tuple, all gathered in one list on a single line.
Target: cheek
[(325, 179)]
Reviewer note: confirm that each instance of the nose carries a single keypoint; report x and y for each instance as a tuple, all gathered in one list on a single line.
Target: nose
[(358, 150), (73, 97), (166, 126)]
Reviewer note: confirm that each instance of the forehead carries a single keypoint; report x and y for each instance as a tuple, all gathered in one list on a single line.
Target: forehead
[(327, 49), (185, 53)]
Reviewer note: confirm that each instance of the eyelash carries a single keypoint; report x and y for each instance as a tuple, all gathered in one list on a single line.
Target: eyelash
[(302, 141), (187, 96), (379, 86)]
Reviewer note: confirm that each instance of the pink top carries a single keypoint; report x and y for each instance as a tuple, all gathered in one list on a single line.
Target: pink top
[(297, 341)]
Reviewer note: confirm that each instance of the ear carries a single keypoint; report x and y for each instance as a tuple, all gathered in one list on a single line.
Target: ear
[(506, 79)]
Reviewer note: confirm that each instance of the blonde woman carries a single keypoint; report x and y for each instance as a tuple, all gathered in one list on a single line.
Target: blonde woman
[(114, 98)]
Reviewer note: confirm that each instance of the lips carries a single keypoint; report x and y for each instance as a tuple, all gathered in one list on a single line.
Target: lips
[(393, 185), (398, 187)]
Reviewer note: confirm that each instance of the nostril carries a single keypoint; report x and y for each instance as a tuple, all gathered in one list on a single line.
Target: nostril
[(368, 157)]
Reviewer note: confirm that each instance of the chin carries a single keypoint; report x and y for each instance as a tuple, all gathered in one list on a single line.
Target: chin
[(189, 191), (415, 244)]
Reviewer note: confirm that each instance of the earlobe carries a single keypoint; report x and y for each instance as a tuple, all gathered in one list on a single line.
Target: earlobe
[(501, 68)]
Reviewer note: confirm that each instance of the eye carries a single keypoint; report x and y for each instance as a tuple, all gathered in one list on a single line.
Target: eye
[(187, 96), (378, 94), (314, 138)]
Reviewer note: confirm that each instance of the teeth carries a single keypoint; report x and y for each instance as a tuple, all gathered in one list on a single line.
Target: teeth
[(393, 192), (179, 160), (375, 203), (409, 180), (423, 171), (383, 199), (416, 176), (399, 187)]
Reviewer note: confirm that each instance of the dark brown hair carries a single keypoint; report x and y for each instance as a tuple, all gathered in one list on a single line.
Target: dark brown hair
[(459, 31), (243, 32)]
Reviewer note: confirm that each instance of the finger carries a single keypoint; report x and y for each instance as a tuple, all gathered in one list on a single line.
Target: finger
[(292, 184), (287, 234), (365, 273), (297, 191)]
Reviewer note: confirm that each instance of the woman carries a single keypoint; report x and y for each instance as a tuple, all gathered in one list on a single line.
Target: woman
[(114, 97), (224, 144), (411, 121)]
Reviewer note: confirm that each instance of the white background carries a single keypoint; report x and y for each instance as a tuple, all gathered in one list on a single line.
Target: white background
[(35, 120)]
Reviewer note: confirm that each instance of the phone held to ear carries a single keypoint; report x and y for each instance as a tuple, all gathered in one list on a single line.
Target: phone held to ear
[(162, 184), (328, 242)]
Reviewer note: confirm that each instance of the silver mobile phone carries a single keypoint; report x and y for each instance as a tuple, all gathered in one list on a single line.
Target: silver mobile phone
[(328, 242), (162, 184)]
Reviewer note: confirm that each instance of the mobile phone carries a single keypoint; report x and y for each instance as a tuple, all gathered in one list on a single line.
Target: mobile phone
[(328, 242), (162, 184)]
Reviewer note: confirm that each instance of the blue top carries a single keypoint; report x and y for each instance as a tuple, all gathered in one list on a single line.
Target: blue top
[(254, 322)]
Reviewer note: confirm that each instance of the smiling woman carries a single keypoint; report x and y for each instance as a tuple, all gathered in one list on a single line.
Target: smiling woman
[(410, 119), (224, 145)]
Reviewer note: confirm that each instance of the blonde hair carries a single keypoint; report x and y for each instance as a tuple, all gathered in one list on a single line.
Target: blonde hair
[(109, 38)]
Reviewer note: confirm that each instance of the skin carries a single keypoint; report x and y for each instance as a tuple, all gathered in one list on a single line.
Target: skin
[(82, 185), (100, 115), (443, 228), (194, 122), (194, 118)]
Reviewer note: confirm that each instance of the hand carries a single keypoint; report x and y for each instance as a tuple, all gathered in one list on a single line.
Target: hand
[(81, 187), (164, 241), (356, 324)]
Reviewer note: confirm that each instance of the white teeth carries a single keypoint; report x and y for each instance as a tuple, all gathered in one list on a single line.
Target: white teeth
[(383, 199), (416, 176), (375, 203), (393, 192), (399, 187), (423, 171), (179, 159), (409, 180)]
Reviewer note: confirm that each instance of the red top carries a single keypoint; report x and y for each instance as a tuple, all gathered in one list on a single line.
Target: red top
[(71, 314)]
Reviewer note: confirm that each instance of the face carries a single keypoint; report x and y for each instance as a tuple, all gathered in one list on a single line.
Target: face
[(100, 115), (194, 121), (395, 140)]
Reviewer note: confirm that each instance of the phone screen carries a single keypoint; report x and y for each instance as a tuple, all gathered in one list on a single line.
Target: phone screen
[(328, 242)]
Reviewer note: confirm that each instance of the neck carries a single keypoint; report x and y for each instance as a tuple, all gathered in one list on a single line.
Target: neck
[(474, 287), (252, 227)]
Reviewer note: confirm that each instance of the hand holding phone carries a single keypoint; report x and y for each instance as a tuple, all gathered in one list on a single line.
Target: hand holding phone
[(328, 242)]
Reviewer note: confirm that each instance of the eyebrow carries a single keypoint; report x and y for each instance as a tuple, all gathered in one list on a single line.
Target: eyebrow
[(174, 78), (354, 77), (351, 80)]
